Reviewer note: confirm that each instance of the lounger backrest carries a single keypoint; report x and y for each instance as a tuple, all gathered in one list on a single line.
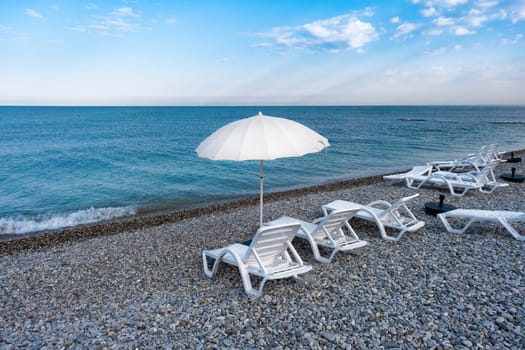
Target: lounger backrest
[(486, 174), (489, 152), (400, 204), (270, 242), (332, 223), (420, 170)]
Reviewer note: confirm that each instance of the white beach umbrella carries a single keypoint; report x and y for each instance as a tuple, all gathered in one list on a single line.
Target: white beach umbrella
[(261, 138)]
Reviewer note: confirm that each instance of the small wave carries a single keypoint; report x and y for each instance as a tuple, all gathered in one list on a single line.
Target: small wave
[(22, 225), (508, 122), (411, 120)]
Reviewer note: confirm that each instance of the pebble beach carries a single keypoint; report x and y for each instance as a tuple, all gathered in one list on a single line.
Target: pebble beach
[(140, 284)]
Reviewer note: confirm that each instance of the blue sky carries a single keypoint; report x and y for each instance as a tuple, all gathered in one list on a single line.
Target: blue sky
[(262, 52)]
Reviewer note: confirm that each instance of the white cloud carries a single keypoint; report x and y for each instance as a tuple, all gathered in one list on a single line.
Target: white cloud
[(485, 4), (429, 12), (394, 20), (450, 3), (33, 13), (460, 30), (443, 21), (500, 15), (405, 29), (434, 31), (517, 12), (332, 34), (476, 18), (125, 11)]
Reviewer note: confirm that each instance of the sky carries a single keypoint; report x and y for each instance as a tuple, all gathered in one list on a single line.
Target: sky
[(273, 52)]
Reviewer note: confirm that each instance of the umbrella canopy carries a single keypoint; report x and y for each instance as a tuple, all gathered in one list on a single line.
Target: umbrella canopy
[(261, 138)]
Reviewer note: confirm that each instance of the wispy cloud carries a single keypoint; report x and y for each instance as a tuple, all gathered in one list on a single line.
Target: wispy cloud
[(460, 30), (513, 41), (116, 23), (450, 3), (444, 21), (8, 34), (443, 50), (33, 13), (429, 12), (92, 6), (486, 4), (404, 30), (463, 17), (517, 11), (332, 34)]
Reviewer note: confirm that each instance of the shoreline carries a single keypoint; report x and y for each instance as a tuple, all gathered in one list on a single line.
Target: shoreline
[(12, 243)]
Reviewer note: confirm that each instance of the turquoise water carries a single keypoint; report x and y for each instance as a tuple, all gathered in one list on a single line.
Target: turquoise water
[(63, 166)]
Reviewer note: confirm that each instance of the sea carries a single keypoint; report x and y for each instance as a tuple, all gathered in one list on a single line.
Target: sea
[(66, 166)]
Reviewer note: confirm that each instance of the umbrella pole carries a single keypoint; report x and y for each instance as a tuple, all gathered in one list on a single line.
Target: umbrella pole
[(261, 177)]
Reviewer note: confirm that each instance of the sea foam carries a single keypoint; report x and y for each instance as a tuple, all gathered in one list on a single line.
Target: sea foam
[(22, 225)]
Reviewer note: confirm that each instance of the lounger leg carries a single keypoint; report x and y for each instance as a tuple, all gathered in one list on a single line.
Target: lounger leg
[(332, 255), (318, 257), (247, 283), (298, 279), (450, 228), (317, 253), (511, 229), (490, 188), (398, 237), (454, 193), (213, 271), (410, 184)]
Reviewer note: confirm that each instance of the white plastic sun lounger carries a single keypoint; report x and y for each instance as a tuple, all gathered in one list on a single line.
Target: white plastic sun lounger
[(327, 232), (485, 177), (384, 214), (503, 217), (267, 256), (452, 181), (420, 170), (486, 155)]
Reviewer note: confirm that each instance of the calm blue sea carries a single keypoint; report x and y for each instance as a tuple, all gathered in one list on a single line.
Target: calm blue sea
[(63, 166)]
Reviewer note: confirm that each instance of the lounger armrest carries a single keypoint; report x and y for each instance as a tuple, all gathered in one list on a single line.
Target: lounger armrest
[(409, 198), (317, 220), (380, 203), (448, 175), (471, 176)]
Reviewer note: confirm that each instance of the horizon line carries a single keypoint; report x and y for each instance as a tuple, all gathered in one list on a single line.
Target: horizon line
[(269, 105)]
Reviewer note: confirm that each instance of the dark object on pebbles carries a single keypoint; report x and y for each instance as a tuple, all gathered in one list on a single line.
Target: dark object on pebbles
[(513, 177), (512, 159), (434, 208)]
